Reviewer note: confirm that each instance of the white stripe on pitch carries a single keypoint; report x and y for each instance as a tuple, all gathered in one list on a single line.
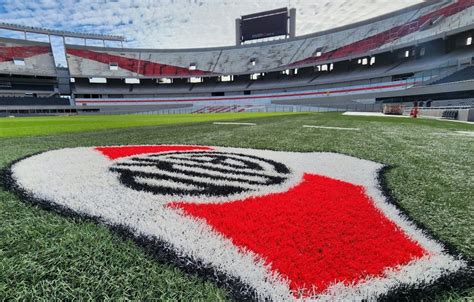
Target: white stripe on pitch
[(331, 128), (228, 123)]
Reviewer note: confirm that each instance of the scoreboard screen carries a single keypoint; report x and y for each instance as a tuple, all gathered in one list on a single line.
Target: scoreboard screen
[(263, 25)]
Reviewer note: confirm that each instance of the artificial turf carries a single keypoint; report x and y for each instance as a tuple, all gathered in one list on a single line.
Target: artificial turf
[(44, 256)]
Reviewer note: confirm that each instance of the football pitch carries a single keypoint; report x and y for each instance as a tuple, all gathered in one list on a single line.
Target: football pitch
[(46, 256)]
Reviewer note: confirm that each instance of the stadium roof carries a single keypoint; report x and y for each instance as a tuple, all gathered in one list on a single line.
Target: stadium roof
[(39, 30)]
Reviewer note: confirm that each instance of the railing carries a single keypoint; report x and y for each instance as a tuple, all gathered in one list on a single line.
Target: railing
[(444, 70), (274, 108), (407, 109)]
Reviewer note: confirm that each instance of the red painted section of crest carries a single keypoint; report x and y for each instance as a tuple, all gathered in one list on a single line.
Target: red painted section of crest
[(125, 151), (320, 232)]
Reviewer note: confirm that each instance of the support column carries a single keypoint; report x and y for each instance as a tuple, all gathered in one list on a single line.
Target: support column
[(238, 31), (292, 30)]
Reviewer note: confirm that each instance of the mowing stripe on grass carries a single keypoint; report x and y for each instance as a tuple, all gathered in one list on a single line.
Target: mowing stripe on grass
[(456, 133), (466, 133), (31, 126)]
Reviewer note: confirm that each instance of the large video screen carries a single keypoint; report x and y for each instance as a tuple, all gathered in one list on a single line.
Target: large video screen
[(266, 24)]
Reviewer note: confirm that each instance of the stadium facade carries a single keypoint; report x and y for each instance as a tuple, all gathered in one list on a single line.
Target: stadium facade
[(423, 53)]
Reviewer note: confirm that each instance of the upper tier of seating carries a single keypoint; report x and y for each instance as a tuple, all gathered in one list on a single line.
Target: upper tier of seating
[(421, 68), (20, 57), (394, 31)]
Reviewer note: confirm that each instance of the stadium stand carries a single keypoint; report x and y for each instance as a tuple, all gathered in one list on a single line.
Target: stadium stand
[(33, 101), (464, 74), (26, 68), (378, 35), (19, 57), (402, 51), (405, 56)]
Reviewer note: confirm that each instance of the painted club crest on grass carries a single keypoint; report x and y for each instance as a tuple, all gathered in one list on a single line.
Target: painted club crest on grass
[(271, 225)]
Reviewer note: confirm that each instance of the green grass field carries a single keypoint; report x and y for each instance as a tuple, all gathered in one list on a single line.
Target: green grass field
[(15, 127), (44, 256)]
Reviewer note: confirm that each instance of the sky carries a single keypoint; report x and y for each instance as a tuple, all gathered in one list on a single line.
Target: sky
[(179, 23)]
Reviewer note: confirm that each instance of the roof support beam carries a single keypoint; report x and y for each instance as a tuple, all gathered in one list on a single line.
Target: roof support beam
[(68, 34)]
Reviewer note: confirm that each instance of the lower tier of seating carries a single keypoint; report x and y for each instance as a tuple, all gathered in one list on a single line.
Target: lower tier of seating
[(34, 101), (464, 74)]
